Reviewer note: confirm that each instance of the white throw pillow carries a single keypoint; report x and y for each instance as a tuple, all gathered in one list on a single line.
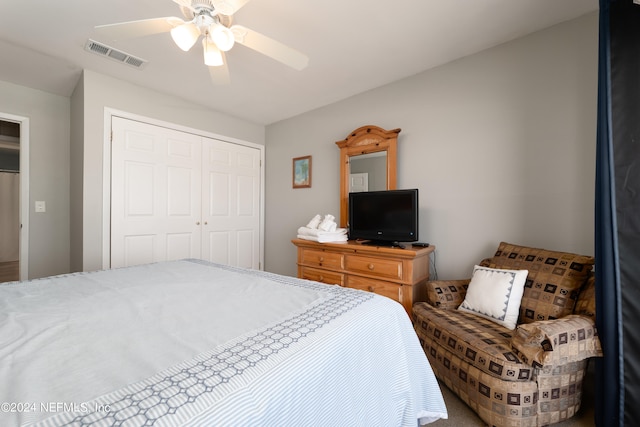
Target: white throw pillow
[(495, 294)]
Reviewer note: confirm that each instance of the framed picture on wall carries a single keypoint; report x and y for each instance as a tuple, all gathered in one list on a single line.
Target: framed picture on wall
[(302, 172)]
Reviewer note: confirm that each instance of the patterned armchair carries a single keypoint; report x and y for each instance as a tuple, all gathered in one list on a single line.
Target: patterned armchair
[(529, 376)]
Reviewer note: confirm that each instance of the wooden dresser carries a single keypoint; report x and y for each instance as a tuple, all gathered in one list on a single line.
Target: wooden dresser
[(393, 272)]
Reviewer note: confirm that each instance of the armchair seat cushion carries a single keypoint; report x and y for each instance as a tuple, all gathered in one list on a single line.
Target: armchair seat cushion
[(479, 341)]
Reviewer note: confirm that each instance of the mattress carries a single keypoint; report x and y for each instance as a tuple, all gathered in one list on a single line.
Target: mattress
[(194, 343)]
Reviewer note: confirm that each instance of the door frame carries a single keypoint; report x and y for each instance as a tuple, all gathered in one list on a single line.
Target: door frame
[(24, 190), (109, 113)]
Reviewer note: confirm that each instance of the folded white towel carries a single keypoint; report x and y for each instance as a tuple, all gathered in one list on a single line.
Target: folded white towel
[(328, 223), (315, 221), (325, 238), (306, 231)]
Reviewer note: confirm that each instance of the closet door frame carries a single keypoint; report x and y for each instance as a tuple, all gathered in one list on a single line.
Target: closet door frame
[(109, 113)]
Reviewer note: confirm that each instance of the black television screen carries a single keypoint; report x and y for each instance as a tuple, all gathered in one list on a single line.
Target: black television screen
[(384, 217)]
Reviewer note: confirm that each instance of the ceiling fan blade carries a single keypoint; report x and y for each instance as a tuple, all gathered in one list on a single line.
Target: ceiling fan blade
[(227, 7), (185, 3), (220, 74), (145, 27), (269, 47)]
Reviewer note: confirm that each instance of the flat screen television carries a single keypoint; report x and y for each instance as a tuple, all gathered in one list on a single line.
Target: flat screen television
[(384, 217)]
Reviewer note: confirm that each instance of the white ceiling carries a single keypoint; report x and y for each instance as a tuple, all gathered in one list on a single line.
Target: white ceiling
[(353, 46)]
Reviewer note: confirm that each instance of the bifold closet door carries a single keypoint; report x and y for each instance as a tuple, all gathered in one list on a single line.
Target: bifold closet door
[(155, 194), (231, 203), (179, 195)]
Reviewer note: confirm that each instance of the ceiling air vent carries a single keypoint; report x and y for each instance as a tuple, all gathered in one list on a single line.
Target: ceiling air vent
[(114, 54)]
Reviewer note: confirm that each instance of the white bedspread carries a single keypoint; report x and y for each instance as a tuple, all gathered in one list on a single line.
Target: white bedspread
[(193, 343)]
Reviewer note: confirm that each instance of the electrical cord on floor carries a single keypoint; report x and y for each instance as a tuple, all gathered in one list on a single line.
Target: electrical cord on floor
[(434, 271)]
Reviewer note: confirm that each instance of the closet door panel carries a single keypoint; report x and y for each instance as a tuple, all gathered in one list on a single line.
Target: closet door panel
[(219, 206), (138, 190), (155, 195), (232, 192), (180, 245), (246, 240), (139, 249), (219, 246)]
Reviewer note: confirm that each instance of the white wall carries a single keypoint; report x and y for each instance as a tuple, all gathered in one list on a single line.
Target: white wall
[(48, 174), (501, 145), (100, 92)]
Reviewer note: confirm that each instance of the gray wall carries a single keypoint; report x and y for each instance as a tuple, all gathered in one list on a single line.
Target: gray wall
[(99, 92), (501, 145), (48, 174)]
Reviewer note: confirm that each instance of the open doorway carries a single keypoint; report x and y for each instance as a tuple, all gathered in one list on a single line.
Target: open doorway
[(13, 196), (9, 201)]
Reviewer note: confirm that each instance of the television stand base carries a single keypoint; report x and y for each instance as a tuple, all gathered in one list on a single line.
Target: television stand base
[(385, 243)]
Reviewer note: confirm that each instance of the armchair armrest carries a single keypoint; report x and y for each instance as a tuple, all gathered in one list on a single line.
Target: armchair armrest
[(447, 294), (556, 342)]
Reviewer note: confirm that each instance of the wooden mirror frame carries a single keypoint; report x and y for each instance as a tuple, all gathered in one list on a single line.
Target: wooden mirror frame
[(365, 140)]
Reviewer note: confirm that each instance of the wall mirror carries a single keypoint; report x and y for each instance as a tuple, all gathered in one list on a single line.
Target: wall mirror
[(367, 163)]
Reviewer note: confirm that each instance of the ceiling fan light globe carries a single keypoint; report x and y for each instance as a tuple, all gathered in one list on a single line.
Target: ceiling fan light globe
[(212, 55), (222, 37), (185, 35)]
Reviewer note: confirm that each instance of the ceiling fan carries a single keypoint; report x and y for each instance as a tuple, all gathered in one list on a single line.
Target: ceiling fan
[(211, 19)]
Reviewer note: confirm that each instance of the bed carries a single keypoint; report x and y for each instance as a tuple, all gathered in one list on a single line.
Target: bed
[(194, 343)]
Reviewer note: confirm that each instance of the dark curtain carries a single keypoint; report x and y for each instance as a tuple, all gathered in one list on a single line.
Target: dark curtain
[(617, 214)]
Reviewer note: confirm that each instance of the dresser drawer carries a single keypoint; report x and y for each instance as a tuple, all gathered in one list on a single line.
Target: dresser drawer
[(390, 290), (398, 274), (383, 268), (324, 276), (329, 260)]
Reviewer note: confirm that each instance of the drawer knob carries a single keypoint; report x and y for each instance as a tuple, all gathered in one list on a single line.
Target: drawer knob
[(371, 289), (321, 279), (321, 259), (371, 266)]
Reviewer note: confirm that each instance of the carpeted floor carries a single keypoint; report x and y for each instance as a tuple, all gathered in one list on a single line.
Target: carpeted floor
[(460, 415)]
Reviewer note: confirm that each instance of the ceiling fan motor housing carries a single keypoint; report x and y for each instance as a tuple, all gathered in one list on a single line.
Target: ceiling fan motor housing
[(203, 22), (221, 9)]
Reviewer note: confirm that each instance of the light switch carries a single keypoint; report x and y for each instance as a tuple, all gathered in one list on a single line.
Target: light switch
[(40, 206)]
